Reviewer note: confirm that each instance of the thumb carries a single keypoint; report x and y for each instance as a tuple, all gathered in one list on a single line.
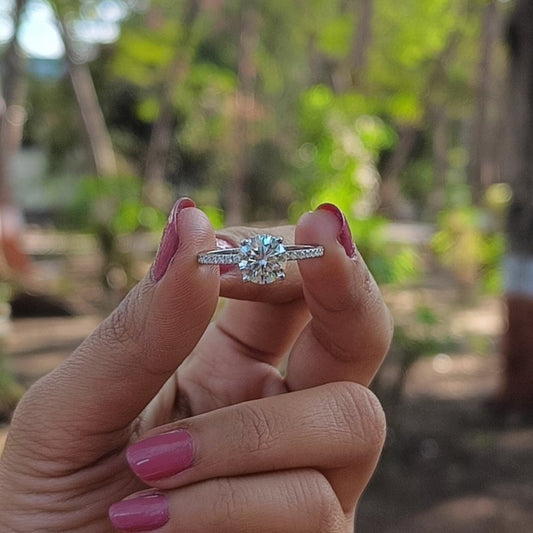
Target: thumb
[(106, 383)]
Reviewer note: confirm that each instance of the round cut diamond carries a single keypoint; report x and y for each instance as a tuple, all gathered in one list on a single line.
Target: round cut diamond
[(263, 258)]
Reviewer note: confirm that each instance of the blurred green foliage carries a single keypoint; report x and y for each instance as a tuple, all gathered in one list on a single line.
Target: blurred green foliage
[(295, 98), (116, 203), (337, 163), (305, 102), (467, 244)]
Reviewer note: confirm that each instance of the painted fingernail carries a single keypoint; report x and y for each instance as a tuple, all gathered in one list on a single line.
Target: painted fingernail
[(223, 244), (169, 240), (161, 456), (344, 235), (145, 512)]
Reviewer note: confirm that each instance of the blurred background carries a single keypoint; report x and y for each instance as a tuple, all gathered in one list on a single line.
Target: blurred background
[(415, 117)]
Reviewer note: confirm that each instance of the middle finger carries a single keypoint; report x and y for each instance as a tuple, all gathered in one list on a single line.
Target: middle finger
[(256, 327), (260, 321), (332, 427)]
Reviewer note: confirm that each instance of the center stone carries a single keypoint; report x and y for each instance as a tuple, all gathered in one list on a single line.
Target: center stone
[(262, 259)]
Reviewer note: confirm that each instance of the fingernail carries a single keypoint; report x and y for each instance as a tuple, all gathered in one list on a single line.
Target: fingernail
[(223, 244), (170, 240), (161, 456), (345, 235), (145, 512)]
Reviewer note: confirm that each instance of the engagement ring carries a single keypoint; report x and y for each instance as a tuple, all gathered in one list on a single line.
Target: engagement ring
[(261, 258)]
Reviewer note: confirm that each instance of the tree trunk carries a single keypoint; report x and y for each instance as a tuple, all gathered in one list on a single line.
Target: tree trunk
[(361, 42), (12, 118), (517, 386), (244, 104), (440, 148), (164, 125), (348, 73), (483, 168), (390, 188), (101, 147), (102, 152), (162, 132)]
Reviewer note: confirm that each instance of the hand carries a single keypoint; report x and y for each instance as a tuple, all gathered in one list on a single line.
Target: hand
[(252, 450)]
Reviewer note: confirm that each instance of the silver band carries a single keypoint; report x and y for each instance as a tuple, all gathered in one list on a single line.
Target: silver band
[(233, 256), (261, 258)]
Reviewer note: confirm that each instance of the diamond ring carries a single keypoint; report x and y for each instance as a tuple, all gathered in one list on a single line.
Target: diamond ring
[(261, 258)]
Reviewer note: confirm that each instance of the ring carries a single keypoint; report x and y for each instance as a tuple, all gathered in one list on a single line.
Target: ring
[(261, 258)]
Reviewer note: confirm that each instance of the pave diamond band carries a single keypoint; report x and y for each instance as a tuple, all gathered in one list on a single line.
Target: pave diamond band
[(261, 258), (231, 257)]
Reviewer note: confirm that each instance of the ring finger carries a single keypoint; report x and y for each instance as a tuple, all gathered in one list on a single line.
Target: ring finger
[(300, 501)]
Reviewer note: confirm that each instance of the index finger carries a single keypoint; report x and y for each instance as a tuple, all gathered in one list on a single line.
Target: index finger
[(351, 327), (123, 364)]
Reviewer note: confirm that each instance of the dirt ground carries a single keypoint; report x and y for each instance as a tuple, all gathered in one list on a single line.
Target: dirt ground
[(448, 465)]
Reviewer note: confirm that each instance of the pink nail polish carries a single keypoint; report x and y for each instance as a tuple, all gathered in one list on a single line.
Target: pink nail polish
[(145, 512), (169, 240), (345, 235), (161, 456), (223, 244)]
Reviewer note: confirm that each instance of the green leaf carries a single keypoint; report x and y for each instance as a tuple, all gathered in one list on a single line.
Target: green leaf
[(336, 36), (148, 110), (426, 315)]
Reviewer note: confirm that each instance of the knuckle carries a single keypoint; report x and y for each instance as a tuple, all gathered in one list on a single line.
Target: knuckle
[(228, 502), (331, 517), (256, 430), (127, 323), (362, 315), (376, 419), (126, 329), (120, 327), (322, 333), (316, 497), (359, 417)]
